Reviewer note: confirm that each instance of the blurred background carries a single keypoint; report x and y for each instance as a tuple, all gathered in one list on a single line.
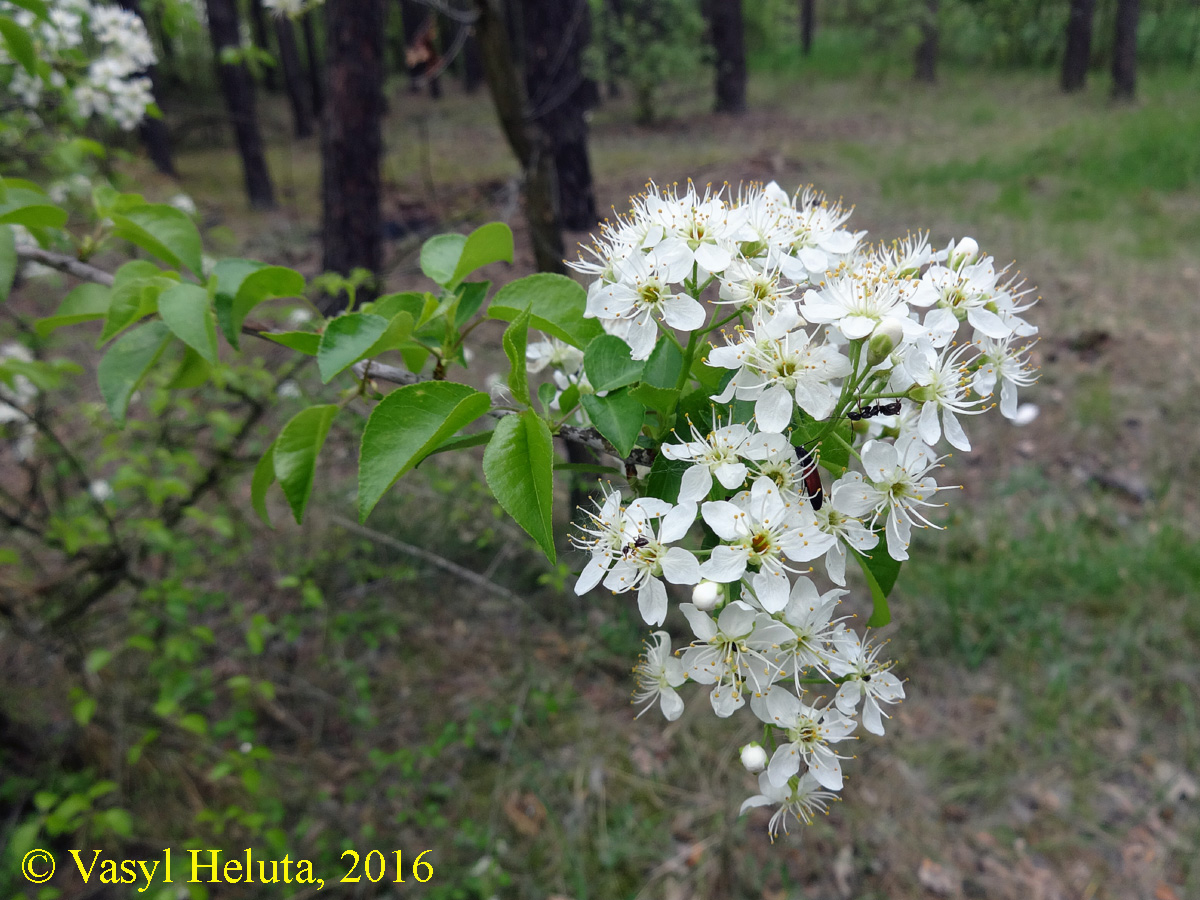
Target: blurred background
[(312, 689)]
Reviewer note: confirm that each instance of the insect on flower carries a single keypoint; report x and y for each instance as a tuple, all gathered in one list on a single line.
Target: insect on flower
[(812, 478)]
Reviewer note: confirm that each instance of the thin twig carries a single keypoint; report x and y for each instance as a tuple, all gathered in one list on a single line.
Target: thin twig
[(64, 263), (428, 556)]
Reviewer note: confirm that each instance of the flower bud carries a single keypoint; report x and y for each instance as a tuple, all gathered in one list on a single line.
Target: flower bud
[(754, 757), (963, 253), (888, 333), (705, 596)]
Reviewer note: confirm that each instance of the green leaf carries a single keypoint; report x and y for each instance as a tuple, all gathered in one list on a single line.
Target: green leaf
[(126, 364), (519, 467), (661, 400), (295, 454), (306, 342), (85, 303), (486, 244), (405, 426), (461, 442), (664, 365), (618, 417), (346, 340), (193, 371), (163, 231), (470, 297), (556, 304), (607, 364), (20, 44), (37, 7), (264, 477), (881, 571), (398, 331), (135, 291), (25, 204), (255, 286), (440, 256), (8, 261), (666, 475), (832, 455), (545, 393), (516, 337), (188, 313)]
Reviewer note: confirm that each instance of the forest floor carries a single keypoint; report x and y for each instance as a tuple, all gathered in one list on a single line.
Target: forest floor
[(1050, 743)]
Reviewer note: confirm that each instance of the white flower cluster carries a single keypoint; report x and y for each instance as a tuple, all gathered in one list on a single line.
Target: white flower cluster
[(837, 347), (97, 54)]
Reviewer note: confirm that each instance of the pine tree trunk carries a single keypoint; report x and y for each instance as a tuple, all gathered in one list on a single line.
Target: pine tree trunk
[(1079, 45), (238, 88), (556, 33), (153, 132), (293, 77), (352, 137), (729, 42), (1124, 69), (315, 79), (526, 138), (808, 21), (262, 40), (927, 50)]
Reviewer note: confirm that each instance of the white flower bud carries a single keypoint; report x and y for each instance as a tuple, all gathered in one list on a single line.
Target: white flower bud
[(705, 596), (754, 757), (964, 252), (888, 333)]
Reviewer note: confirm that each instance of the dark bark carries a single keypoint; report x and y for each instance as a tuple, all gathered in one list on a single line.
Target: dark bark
[(614, 52), (808, 21), (472, 64), (729, 42), (315, 77), (262, 40), (556, 32), (927, 50), (299, 96), (1079, 45), (1124, 69), (352, 137), (238, 88), (152, 131), (527, 140)]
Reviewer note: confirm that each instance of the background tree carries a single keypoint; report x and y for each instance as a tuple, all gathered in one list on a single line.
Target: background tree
[(238, 88), (352, 136), (1079, 44), (1124, 67), (729, 42), (262, 40), (556, 33), (298, 91), (525, 137), (153, 130), (927, 50), (808, 17), (314, 60)]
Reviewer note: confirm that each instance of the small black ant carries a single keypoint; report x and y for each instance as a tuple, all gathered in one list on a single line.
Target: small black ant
[(812, 478), (638, 543)]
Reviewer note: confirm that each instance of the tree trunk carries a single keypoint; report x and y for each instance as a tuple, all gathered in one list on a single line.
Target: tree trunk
[(729, 42), (927, 50), (153, 132), (293, 77), (808, 15), (314, 62), (526, 138), (614, 52), (352, 137), (1079, 45), (472, 63), (1124, 69), (262, 40), (556, 32), (238, 88)]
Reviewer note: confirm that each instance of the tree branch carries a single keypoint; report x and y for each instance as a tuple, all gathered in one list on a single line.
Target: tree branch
[(64, 263)]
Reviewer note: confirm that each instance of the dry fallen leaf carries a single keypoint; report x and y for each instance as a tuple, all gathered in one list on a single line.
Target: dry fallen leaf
[(526, 813), (938, 879)]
